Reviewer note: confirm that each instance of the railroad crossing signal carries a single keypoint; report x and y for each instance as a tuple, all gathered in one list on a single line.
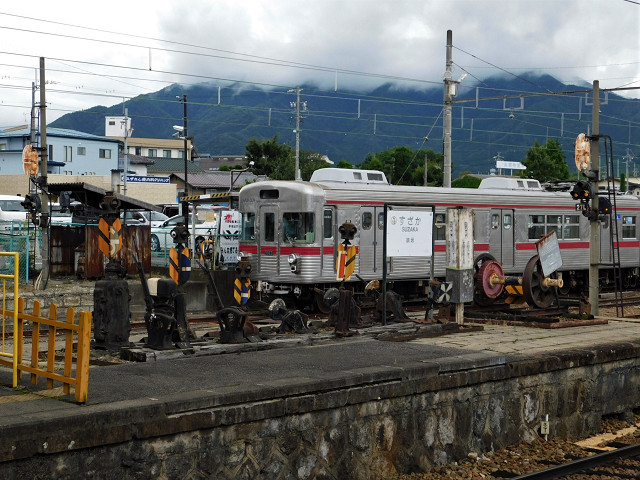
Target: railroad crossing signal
[(241, 289), (179, 265), (109, 236), (345, 262), (242, 284)]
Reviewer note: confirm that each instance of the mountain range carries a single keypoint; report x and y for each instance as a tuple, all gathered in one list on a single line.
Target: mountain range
[(496, 118)]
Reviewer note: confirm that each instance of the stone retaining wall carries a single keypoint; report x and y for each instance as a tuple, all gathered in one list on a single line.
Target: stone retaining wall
[(366, 425)]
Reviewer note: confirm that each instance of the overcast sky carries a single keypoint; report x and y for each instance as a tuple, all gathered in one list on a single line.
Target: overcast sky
[(100, 54)]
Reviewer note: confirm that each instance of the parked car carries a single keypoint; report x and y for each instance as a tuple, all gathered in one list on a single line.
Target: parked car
[(12, 213), (143, 217), (205, 225)]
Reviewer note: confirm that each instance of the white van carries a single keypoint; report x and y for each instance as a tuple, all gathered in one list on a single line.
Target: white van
[(12, 213)]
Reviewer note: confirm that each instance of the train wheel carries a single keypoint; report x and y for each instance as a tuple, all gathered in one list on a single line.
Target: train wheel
[(536, 294), (479, 296)]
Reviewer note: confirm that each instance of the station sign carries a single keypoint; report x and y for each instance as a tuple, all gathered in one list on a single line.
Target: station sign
[(145, 179), (409, 233)]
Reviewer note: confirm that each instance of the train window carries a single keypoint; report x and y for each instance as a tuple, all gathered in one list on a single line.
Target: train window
[(536, 227), (377, 177), (441, 231), (571, 227), (495, 221), (248, 226), (554, 222), (269, 227), (506, 221), (628, 227), (298, 227), (357, 176), (381, 221), (272, 194), (367, 220), (327, 223)]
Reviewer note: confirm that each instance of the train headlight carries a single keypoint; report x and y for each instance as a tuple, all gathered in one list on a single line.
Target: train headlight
[(293, 261)]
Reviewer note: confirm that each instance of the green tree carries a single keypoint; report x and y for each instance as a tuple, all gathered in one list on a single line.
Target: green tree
[(278, 160), (270, 158), (546, 162), (344, 164), (310, 161), (466, 181), (403, 166)]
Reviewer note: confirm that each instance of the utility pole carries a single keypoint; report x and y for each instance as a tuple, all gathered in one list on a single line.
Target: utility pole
[(297, 107), (43, 278), (594, 243), (185, 204), (126, 149), (425, 170), (449, 92)]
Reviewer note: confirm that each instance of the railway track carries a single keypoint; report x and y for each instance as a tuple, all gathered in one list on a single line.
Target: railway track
[(621, 463)]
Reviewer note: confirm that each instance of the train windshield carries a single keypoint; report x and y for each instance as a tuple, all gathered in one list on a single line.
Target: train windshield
[(298, 227), (248, 226)]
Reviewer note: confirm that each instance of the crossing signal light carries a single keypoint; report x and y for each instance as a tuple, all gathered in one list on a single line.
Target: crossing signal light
[(582, 191), (604, 205), (180, 233)]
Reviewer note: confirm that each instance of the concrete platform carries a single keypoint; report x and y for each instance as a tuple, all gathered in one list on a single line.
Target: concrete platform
[(318, 406)]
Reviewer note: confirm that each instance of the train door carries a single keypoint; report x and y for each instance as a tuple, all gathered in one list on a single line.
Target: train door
[(330, 239), (502, 238), (370, 246), (268, 245)]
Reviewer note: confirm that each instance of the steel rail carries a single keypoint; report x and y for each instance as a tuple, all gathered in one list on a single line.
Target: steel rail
[(582, 464)]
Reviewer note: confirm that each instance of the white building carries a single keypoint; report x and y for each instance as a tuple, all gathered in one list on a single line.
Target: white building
[(69, 152)]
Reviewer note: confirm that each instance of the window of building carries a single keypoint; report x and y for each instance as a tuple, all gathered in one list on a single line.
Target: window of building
[(105, 153), (153, 152), (180, 153), (628, 227), (50, 159), (3, 146), (166, 153), (138, 151), (68, 154), (81, 151), (112, 123)]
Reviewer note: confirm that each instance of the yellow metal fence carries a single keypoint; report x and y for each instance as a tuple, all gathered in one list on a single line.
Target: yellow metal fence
[(48, 331)]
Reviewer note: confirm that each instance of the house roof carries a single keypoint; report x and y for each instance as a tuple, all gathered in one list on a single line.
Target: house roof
[(137, 159), (173, 165), (155, 142), (55, 132), (219, 180)]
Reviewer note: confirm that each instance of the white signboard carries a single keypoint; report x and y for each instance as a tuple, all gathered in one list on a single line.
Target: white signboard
[(409, 233), (229, 236), (460, 238), (510, 165)]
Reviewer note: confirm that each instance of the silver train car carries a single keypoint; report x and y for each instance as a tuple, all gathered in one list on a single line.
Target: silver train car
[(290, 232)]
